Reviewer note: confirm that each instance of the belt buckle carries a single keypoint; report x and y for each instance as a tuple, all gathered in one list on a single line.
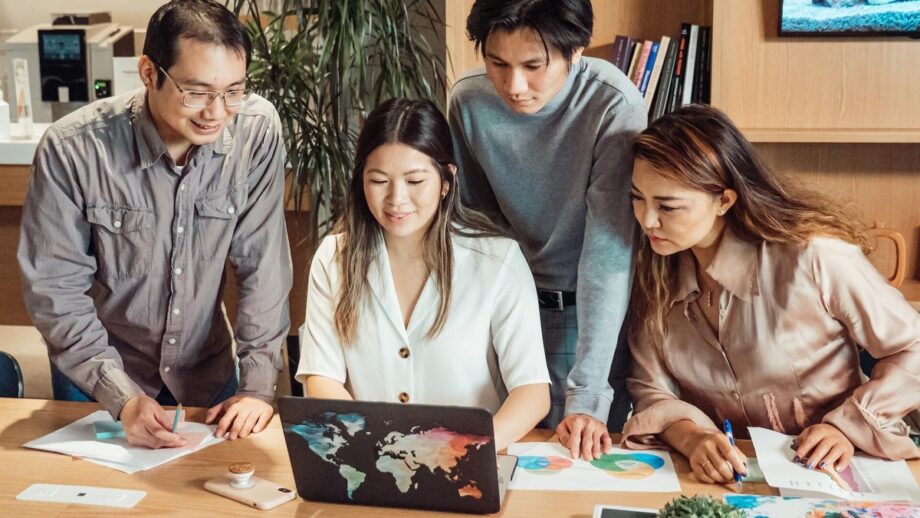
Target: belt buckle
[(551, 298)]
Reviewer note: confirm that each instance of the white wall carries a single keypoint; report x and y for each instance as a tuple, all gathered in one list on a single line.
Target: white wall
[(18, 14)]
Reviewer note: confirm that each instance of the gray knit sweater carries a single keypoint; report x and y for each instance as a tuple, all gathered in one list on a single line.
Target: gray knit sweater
[(559, 180)]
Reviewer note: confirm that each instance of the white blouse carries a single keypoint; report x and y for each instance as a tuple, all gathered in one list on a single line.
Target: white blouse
[(490, 344)]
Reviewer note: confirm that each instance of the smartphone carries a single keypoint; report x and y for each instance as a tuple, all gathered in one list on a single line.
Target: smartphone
[(264, 494)]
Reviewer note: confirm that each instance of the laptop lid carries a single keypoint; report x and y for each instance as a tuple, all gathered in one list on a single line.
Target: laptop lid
[(388, 454)]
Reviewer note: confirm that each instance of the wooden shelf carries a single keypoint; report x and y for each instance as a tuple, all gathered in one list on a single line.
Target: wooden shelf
[(833, 135)]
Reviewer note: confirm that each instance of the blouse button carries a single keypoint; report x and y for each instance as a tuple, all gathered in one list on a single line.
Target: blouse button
[(404, 352), (737, 395), (403, 397)]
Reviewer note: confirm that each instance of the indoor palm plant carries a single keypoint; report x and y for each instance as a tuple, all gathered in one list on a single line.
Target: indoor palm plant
[(325, 64)]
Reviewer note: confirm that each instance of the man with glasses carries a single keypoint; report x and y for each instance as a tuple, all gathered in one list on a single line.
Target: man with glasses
[(135, 205)]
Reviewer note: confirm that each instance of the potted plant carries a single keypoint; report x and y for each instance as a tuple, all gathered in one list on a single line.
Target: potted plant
[(325, 64), (699, 506)]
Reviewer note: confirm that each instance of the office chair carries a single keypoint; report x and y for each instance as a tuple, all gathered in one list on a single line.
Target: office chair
[(10, 376)]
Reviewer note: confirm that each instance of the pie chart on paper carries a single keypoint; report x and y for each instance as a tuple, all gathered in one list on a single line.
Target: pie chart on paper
[(632, 466)]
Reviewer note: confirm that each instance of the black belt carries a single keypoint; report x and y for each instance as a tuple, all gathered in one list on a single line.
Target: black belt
[(555, 300)]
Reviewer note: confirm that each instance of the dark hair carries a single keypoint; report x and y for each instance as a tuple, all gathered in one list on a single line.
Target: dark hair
[(420, 125), (698, 146), (563, 24), (206, 21)]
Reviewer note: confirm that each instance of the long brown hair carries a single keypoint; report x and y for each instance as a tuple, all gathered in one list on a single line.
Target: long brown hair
[(420, 125), (699, 147)]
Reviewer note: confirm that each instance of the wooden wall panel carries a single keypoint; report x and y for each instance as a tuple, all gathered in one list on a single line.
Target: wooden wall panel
[(882, 181), (811, 89)]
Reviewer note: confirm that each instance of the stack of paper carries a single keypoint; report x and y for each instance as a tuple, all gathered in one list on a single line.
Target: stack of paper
[(868, 478), (78, 439)]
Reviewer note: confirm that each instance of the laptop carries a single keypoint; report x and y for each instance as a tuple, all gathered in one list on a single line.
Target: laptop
[(437, 458)]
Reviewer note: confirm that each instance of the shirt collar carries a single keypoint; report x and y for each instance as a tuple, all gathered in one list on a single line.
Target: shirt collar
[(735, 268), (150, 146)]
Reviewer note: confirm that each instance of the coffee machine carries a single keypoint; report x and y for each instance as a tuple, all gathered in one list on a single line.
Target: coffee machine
[(70, 60)]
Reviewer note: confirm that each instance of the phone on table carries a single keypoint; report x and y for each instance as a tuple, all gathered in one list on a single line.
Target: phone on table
[(264, 494)]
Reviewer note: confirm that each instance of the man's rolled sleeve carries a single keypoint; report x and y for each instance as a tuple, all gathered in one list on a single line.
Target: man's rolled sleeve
[(261, 258)]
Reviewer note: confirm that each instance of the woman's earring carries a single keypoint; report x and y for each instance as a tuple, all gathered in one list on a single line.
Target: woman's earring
[(722, 212)]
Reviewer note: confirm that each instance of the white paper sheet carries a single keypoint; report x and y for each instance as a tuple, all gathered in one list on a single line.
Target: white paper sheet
[(78, 439), (548, 466), (871, 479)]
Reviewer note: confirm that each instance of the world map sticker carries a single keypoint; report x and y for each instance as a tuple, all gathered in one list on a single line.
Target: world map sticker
[(400, 455)]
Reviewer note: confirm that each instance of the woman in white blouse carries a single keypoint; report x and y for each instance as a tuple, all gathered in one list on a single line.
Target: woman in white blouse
[(416, 299)]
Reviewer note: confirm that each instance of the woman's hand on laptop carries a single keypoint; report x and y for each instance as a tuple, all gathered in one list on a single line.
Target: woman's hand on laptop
[(584, 436), (242, 415), (146, 424)]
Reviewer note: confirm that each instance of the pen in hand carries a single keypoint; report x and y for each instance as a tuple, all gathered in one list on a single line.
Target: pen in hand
[(731, 440), (175, 426)]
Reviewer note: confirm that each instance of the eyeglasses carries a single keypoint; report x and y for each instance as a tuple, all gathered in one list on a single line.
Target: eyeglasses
[(195, 99)]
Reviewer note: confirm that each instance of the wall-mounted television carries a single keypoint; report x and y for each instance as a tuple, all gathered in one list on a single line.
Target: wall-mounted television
[(849, 18)]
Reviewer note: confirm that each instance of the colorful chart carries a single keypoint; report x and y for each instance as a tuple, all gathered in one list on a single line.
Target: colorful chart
[(632, 466), (544, 465), (760, 506)]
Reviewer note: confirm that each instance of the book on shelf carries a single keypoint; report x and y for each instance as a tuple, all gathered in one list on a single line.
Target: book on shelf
[(655, 77), (622, 52), (687, 92), (704, 71), (662, 95), (700, 73), (636, 50), (639, 71), (649, 67), (680, 67)]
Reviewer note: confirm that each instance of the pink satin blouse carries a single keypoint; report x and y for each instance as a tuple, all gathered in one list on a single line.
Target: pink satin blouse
[(785, 357)]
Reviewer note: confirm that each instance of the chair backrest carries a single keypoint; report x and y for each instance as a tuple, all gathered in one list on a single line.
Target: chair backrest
[(10, 376), (897, 265)]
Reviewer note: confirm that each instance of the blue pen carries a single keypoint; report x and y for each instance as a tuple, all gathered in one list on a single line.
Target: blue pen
[(731, 440)]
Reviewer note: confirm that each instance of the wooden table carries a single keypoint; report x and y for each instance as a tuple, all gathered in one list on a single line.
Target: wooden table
[(177, 487)]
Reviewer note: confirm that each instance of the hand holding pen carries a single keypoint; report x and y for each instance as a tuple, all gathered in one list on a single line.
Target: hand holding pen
[(712, 457), (731, 440)]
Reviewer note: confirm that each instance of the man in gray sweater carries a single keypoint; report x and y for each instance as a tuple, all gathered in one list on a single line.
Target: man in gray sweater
[(542, 138)]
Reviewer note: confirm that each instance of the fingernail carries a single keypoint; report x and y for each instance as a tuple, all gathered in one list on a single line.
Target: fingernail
[(811, 465), (796, 459), (822, 465)]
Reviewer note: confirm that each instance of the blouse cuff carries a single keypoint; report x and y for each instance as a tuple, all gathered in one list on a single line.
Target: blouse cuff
[(863, 429), (642, 429)]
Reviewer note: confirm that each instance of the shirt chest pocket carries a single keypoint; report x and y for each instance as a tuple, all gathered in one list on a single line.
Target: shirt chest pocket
[(215, 220), (122, 239)]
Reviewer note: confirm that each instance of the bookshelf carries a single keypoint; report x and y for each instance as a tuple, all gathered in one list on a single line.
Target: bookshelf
[(804, 102)]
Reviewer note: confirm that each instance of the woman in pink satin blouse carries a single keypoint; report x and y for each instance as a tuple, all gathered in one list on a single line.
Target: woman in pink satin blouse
[(751, 299)]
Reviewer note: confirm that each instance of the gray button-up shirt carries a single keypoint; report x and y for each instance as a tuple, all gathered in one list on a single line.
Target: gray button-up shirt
[(122, 254)]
